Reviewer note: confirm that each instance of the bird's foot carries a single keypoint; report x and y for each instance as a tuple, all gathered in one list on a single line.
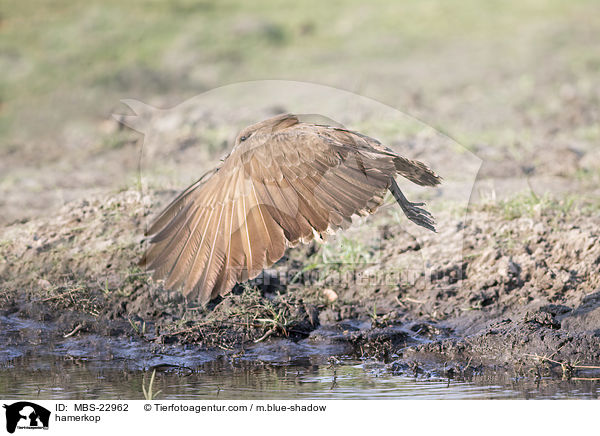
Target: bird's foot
[(418, 215)]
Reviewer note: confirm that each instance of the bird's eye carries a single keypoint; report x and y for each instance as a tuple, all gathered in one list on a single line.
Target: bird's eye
[(243, 138)]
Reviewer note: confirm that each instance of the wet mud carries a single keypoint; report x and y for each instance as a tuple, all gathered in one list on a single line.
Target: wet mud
[(524, 294)]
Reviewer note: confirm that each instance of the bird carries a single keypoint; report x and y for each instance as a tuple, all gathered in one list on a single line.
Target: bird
[(286, 181)]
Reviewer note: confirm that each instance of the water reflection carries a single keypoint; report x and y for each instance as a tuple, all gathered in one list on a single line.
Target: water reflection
[(223, 379), (35, 363)]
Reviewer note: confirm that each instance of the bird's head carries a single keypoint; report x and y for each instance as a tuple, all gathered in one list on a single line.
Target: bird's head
[(246, 134), (266, 127)]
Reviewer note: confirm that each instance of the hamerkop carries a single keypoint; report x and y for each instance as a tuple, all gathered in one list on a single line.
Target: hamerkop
[(285, 181)]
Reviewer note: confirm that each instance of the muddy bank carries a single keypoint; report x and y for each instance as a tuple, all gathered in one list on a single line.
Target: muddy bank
[(524, 291)]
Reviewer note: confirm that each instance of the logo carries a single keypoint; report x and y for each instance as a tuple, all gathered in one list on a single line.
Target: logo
[(26, 415)]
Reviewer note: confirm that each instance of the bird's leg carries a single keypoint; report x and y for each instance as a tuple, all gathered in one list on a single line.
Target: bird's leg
[(412, 211)]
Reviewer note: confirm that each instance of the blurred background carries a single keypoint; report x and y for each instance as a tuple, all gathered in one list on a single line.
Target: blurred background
[(516, 82)]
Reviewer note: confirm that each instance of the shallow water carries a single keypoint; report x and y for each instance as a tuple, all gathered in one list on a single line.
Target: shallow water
[(92, 367)]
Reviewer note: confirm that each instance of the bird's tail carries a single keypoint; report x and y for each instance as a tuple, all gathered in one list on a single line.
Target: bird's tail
[(417, 172), (412, 211)]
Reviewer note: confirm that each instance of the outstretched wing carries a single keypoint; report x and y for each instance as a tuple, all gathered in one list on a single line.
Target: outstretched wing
[(274, 190)]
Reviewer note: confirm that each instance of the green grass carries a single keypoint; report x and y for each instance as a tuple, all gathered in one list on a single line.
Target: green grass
[(529, 204), (65, 60), (149, 395), (340, 255), (591, 207)]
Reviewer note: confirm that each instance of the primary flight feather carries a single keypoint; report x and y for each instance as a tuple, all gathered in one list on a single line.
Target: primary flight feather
[(284, 182)]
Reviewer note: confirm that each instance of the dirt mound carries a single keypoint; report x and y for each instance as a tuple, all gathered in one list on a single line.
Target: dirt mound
[(524, 287)]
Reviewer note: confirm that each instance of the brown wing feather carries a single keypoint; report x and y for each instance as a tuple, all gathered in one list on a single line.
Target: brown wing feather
[(179, 203), (282, 186)]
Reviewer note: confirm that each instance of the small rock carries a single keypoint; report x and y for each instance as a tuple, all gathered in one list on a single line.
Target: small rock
[(44, 284), (330, 295)]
